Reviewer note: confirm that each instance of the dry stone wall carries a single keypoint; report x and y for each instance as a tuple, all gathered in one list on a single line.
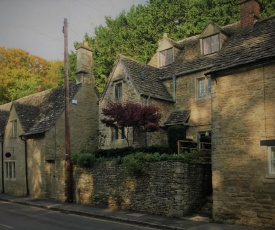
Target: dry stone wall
[(168, 188)]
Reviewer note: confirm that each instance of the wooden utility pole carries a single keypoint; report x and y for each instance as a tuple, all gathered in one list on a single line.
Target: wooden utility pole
[(68, 165)]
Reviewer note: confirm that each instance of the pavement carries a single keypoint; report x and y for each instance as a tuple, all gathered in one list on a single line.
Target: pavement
[(143, 219)]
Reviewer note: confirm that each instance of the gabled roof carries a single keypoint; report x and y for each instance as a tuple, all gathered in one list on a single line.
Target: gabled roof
[(189, 59), (38, 112), (249, 46), (146, 79), (177, 117)]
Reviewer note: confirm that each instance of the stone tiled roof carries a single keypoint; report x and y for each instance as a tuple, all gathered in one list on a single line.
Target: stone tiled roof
[(38, 112), (177, 117), (146, 79), (249, 46), (189, 58)]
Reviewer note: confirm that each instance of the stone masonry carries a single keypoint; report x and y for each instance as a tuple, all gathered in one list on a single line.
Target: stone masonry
[(168, 188), (243, 114)]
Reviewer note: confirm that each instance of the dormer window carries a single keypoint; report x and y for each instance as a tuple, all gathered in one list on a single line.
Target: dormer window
[(165, 57), (211, 44)]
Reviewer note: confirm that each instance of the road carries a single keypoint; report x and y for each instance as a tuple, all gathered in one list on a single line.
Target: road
[(21, 217)]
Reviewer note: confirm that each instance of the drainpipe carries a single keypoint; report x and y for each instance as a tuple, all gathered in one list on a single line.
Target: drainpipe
[(148, 99), (23, 138), (2, 160), (146, 139), (174, 87)]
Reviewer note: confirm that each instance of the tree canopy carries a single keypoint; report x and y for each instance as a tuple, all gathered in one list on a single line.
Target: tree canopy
[(136, 33), (131, 115), (22, 73)]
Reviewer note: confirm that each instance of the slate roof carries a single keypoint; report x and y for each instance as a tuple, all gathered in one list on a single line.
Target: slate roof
[(38, 112), (249, 46), (145, 79), (177, 117), (189, 58)]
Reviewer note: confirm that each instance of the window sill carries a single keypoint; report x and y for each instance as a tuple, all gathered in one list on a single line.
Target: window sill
[(203, 98), (270, 176), (269, 179)]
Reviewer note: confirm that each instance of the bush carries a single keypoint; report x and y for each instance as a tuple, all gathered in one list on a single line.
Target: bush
[(85, 160), (122, 152), (135, 163)]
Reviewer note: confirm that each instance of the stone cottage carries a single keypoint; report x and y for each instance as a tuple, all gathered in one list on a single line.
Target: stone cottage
[(33, 134), (221, 84)]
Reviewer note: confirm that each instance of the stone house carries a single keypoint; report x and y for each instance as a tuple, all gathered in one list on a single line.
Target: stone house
[(33, 134), (221, 84)]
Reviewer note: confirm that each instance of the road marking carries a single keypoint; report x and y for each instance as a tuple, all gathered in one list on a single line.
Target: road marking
[(5, 226)]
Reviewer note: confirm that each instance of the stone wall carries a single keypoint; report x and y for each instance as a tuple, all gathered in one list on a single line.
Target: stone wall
[(186, 99), (168, 188), (14, 145), (129, 93), (243, 113)]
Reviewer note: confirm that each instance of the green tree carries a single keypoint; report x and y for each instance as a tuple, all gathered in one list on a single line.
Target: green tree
[(22, 73), (133, 116), (137, 32)]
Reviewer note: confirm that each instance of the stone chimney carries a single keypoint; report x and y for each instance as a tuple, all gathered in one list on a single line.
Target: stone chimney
[(250, 12), (84, 56)]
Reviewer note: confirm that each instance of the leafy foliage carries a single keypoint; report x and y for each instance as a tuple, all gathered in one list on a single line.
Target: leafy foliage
[(131, 115), (121, 152), (137, 32), (135, 163), (22, 73)]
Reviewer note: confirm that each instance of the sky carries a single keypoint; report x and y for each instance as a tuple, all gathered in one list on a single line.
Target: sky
[(36, 26)]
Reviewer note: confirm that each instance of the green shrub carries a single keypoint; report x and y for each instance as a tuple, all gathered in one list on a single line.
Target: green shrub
[(85, 160), (134, 164)]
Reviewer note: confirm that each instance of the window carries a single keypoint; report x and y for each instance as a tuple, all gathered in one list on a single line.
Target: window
[(10, 170), (165, 57), (14, 129), (211, 44), (204, 140), (118, 133), (122, 132), (118, 91), (203, 87), (114, 134), (271, 159)]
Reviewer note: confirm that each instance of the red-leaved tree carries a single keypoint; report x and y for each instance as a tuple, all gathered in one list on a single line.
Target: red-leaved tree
[(128, 115)]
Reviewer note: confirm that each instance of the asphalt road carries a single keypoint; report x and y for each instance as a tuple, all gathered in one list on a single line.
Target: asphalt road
[(20, 217)]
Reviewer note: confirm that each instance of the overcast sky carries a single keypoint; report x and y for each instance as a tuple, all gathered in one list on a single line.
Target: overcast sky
[(36, 25)]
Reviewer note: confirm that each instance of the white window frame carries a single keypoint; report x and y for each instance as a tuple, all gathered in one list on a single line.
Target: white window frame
[(10, 172), (203, 87), (166, 57), (271, 160), (14, 128), (118, 91), (213, 44)]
